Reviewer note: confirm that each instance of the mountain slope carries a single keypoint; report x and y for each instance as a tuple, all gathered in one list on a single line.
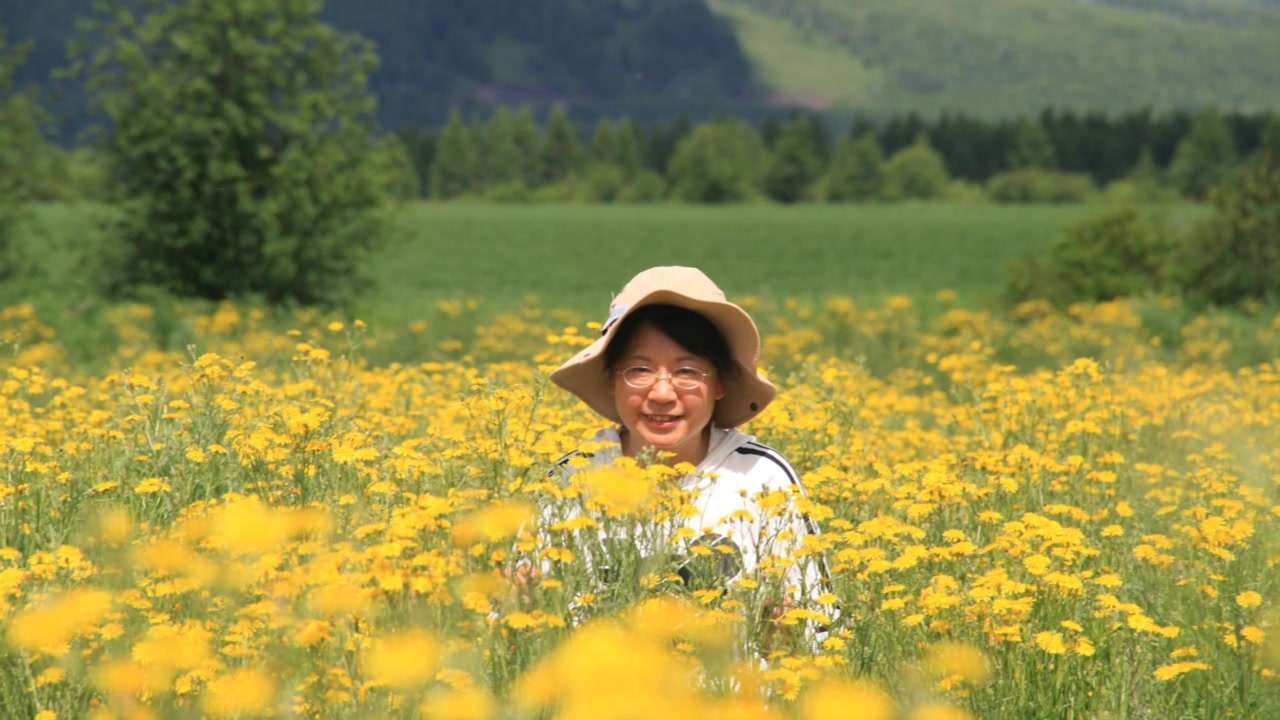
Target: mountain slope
[(1006, 57), (660, 58)]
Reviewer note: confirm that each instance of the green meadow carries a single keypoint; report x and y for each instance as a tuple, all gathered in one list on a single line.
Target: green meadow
[(575, 257)]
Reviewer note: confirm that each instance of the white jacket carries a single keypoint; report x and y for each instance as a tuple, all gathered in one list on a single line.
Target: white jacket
[(735, 471)]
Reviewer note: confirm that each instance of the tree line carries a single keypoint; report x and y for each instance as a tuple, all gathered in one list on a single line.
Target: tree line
[(1054, 157)]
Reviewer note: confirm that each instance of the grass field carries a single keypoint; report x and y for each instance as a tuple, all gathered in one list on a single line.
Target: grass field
[(574, 257)]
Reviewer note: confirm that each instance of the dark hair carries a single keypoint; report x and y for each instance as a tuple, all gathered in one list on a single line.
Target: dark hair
[(686, 328)]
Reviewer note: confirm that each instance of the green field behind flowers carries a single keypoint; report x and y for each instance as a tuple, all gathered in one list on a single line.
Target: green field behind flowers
[(575, 256)]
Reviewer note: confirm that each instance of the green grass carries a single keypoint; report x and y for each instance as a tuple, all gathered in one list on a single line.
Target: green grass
[(575, 257), (797, 65)]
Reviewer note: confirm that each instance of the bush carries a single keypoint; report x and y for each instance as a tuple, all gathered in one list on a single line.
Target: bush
[(916, 172), (1234, 256), (1118, 253), (645, 187), (513, 192), (1035, 185), (604, 183)]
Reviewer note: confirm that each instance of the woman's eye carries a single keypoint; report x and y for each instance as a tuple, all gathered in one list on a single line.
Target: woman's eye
[(688, 373)]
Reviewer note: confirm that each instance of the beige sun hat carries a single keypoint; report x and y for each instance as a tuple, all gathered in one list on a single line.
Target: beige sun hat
[(745, 396)]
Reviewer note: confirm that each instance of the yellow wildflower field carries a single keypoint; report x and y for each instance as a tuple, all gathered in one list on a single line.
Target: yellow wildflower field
[(1045, 515)]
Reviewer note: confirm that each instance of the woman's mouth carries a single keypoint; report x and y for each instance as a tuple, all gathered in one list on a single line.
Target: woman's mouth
[(662, 421)]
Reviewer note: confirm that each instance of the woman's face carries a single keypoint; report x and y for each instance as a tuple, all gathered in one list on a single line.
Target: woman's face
[(662, 415)]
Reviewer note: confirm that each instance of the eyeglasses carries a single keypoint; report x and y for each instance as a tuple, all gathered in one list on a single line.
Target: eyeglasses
[(685, 378)]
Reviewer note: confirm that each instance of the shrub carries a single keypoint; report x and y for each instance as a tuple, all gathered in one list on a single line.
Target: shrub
[(509, 192), (1117, 253), (604, 183), (916, 172), (1234, 256), (645, 187), (1035, 185)]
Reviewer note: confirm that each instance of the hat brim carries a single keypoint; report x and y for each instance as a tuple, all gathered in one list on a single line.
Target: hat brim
[(745, 395)]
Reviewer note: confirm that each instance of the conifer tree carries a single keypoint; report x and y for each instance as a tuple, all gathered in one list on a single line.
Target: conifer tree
[(1032, 147), (456, 167), (560, 154), (501, 151), (626, 148), (1204, 157), (240, 136), (602, 143), (528, 146)]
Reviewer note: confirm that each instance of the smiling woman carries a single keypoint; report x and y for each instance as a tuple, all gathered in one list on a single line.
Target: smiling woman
[(675, 370)]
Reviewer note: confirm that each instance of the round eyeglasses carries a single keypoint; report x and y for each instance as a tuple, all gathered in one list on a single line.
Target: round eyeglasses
[(685, 378)]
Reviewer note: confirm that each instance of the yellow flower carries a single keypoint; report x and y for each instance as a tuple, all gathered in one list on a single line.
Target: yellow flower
[(1249, 599), (1253, 634), (951, 658), (469, 703), (1172, 671), (402, 660), (1051, 641), (239, 692), (856, 700)]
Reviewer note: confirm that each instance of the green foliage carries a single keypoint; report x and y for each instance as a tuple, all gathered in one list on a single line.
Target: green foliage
[(1034, 184), (1032, 147), (604, 183), (499, 149), (1117, 253), (916, 172), (1204, 157), (856, 172), (242, 144), (718, 162), (1270, 139), (560, 155), (1234, 256), (18, 134), (646, 187), (794, 165), (1005, 58), (456, 167)]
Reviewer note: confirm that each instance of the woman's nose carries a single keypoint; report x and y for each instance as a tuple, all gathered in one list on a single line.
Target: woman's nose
[(663, 389)]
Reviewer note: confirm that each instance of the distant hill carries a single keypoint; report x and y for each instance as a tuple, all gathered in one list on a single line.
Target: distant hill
[(1009, 57), (660, 58)]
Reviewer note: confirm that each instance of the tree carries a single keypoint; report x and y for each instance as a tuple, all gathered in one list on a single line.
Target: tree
[(857, 170), (602, 143), (456, 168), (1270, 139), (1032, 147), (1234, 255), (241, 138), (794, 165), (718, 162), (1204, 157), (916, 172), (560, 151), (18, 133), (500, 150), (627, 154), (525, 130)]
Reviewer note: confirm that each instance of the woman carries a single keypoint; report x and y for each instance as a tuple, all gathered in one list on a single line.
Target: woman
[(675, 370)]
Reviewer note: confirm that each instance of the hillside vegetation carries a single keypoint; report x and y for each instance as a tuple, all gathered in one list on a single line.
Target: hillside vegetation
[(661, 58), (1008, 57)]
